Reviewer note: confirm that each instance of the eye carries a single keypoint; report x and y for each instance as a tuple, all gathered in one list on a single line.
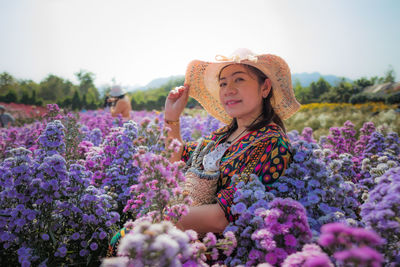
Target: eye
[(223, 84), (239, 79)]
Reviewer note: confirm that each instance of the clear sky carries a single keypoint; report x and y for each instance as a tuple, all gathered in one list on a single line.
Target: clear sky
[(135, 41)]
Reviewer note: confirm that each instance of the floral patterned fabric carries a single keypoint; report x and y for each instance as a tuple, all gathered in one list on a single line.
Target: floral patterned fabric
[(267, 152)]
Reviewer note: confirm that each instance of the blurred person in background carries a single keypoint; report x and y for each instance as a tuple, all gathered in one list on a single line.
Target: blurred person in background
[(107, 104), (6, 119), (120, 102)]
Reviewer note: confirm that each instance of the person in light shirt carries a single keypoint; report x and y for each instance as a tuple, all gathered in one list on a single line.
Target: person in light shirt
[(120, 103)]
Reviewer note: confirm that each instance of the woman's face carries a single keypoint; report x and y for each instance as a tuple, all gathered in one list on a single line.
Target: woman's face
[(240, 93)]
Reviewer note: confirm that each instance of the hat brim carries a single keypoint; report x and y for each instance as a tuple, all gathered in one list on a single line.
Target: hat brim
[(202, 77), (115, 94)]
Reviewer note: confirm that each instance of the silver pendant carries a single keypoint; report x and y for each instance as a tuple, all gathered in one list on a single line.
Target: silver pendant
[(212, 160)]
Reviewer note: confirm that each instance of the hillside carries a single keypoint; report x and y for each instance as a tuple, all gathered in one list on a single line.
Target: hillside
[(304, 78)]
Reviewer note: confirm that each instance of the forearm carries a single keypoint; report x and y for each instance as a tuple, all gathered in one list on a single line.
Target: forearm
[(112, 111), (204, 219), (117, 109), (174, 133)]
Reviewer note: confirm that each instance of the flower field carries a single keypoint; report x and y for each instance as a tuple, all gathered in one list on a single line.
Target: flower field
[(24, 113), (69, 182)]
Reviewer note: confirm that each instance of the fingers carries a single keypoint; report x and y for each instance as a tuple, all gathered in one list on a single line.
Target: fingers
[(177, 92), (173, 94)]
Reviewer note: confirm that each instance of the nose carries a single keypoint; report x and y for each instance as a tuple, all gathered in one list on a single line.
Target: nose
[(229, 89)]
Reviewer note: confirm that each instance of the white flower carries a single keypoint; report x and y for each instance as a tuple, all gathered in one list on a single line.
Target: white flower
[(165, 243), (131, 242), (115, 262)]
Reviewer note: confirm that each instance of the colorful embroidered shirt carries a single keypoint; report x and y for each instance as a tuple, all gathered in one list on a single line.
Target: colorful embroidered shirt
[(265, 152)]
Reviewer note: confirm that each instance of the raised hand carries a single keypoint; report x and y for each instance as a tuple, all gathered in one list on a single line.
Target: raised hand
[(175, 103)]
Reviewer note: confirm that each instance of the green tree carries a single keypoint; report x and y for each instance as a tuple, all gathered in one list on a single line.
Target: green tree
[(25, 99), (340, 93), (33, 100), (302, 94), (54, 88), (91, 97), (76, 101), (7, 82), (363, 82), (86, 82), (319, 88), (10, 97), (83, 102), (390, 75)]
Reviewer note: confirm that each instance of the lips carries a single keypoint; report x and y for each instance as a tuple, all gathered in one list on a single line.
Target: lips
[(232, 102)]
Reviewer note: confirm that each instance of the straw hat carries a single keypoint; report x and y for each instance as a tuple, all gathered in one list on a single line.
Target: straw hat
[(116, 90), (202, 77)]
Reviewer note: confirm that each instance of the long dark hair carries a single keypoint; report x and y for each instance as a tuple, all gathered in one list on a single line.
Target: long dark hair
[(120, 97), (268, 114)]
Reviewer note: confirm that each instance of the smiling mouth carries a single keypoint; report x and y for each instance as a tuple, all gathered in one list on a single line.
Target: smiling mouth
[(232, 102)]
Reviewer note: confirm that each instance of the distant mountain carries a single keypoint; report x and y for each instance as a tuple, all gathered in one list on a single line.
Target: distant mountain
[(158, 82), (304, 78)]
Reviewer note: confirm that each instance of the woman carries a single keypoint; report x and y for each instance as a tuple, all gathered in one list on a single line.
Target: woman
[(120, 103), (252, 94)]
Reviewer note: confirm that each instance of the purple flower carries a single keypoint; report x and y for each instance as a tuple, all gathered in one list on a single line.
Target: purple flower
[(290, 240), (75, 236), (210, 239), (238, 208), (192, 235), (45, 237), (283, 188), (318, 261), (311, 255), (63, 251), (93, 246), (359, 255), (102, 235), (83, 252)]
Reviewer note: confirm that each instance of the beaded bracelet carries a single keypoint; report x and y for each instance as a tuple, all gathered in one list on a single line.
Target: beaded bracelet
[(172, 122)]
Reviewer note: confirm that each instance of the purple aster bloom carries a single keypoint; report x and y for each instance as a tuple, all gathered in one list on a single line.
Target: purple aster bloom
[(84, 244), (255, 254), (93, 246), (210, 239), (75, 236), (241, 251), (271, 258), (83, 252), (283, 188), (299, 157), (290, 240), (45, 237), (313, 198), (62, 250), (102, 235), (362, 255), (239, 208), (321, 260), (259, 194)]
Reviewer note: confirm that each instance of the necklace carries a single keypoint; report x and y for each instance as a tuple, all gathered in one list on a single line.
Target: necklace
[(230, 142), (211, 161)]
